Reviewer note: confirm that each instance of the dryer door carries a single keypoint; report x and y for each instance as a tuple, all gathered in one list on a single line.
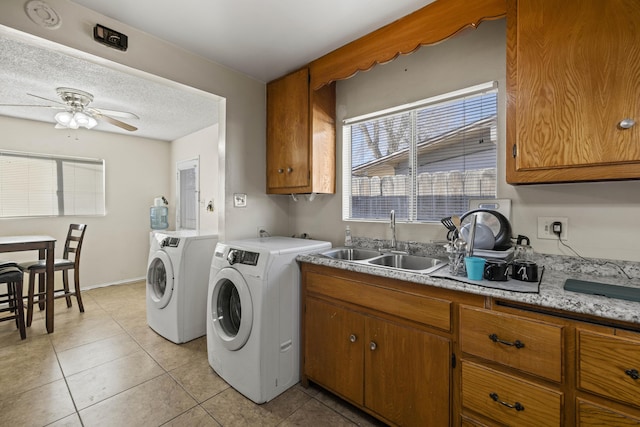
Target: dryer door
[(160, 279), (231, 308)]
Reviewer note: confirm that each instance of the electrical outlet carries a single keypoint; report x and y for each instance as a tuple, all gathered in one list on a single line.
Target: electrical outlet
[(545, 229), (262, 230)]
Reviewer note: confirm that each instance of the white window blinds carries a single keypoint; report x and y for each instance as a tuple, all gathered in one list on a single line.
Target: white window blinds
[(424, 160), (34, 185)]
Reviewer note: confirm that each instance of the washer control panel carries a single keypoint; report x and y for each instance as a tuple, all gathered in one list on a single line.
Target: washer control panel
[(238, 256), (171, 242)]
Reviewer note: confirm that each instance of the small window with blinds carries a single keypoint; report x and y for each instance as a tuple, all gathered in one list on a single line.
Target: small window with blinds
[(36, 185), (424, 160)]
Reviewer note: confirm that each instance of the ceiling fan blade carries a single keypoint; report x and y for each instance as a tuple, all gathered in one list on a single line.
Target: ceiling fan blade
[(115, 122), (55, 107), (113, 113), (47, 99)]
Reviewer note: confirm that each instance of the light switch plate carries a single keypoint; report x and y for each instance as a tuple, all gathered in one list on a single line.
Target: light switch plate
[(239, 200)]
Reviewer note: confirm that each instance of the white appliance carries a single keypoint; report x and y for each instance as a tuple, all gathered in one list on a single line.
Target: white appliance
[(177, 283), (253, 314)]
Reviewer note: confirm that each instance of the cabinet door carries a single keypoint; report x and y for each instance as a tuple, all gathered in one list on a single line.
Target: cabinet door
[(407, 374), (573, 70), (333, 354), (288, 132)]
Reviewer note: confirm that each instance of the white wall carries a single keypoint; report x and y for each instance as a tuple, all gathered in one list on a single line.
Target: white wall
[(116, 245), (242, 141), (603, 217), (203, 145)]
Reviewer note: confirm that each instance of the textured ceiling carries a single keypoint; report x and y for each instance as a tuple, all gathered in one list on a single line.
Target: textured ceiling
[(167, 110)]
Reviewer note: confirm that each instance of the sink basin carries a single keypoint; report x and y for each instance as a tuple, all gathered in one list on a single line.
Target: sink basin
[(351, 254), (408, 262)]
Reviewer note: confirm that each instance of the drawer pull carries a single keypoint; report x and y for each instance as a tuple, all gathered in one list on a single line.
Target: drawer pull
[(517, 406), (516, 343), (633, 373), (373, 345), (353, 338)]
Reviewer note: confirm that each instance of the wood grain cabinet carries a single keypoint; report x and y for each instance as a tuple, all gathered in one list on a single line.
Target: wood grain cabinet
[(497, 349), (572, 83), (300, 136), (397, 372), (508, 399), (609, 366), (528, 345)]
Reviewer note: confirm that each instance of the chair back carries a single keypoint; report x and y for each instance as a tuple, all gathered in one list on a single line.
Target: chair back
[(73, 244)]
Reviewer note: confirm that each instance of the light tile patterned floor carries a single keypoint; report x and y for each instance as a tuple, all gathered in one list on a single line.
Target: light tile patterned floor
[(106, 367)]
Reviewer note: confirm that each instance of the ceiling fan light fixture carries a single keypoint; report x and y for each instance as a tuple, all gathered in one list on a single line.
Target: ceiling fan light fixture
[(70, 120), (84, 120)]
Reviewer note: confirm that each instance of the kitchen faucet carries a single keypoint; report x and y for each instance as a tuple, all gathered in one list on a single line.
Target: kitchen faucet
[(392, 224)]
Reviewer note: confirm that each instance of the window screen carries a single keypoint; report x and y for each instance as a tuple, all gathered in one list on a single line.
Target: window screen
[(33, 185), (424, 160)]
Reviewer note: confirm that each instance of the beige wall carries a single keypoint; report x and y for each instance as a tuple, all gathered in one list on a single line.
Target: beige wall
[(603, 217), (116, 245)]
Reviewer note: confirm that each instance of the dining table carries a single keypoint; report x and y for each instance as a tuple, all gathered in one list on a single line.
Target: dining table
[(45, 245)]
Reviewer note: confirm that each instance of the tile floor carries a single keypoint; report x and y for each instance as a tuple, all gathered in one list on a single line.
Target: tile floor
[(106, 367)]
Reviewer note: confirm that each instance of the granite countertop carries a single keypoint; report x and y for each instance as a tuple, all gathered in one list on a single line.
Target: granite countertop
[(551, 293)]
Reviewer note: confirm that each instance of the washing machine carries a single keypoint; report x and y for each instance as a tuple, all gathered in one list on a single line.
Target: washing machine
[(177, 283), (253, 314)]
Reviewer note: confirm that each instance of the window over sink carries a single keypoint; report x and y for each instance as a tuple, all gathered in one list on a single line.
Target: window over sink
[(425, 160)]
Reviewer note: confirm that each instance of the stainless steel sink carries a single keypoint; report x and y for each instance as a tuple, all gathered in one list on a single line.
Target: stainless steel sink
[(351, 254), (408, 262)]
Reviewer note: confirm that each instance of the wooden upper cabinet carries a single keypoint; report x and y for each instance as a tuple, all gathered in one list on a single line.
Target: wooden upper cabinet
[(300, 136), (573, 74)]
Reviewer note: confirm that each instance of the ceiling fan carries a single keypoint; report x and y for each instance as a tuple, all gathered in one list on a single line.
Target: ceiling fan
[(77, 113)]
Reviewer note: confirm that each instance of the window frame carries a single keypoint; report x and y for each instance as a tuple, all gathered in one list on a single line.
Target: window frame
[(412, 188)]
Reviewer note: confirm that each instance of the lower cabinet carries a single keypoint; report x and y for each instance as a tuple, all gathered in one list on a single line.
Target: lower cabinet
[(413, 355), (382, 344), (400, 373)]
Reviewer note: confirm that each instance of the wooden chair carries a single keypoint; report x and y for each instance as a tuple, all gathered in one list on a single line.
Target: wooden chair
[(12, 276), (70, 261)]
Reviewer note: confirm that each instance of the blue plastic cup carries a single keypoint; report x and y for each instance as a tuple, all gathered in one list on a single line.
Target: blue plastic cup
[(475, 267)]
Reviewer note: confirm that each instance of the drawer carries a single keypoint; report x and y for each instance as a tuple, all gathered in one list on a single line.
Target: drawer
[(430, 311), (528, 345), (507, 399), (606, 366), (592, 415)]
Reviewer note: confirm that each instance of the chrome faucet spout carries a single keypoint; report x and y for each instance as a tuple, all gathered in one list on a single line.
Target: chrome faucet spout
[(392, 224)]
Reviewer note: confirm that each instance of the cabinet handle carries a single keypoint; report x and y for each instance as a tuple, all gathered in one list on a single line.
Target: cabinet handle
[(353, 338), (280, 170), (517, 406), (626, 123), (517, 343), (289, 169), (373, 345), (633, 373)]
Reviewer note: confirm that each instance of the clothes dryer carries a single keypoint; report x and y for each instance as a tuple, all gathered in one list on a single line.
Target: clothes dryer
[(177, 283), (253, 314)]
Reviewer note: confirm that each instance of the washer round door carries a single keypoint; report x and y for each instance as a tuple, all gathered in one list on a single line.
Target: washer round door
[(231, 308), (160, 279)]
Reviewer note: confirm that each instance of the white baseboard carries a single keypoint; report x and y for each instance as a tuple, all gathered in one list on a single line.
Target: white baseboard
[(120, 282)]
